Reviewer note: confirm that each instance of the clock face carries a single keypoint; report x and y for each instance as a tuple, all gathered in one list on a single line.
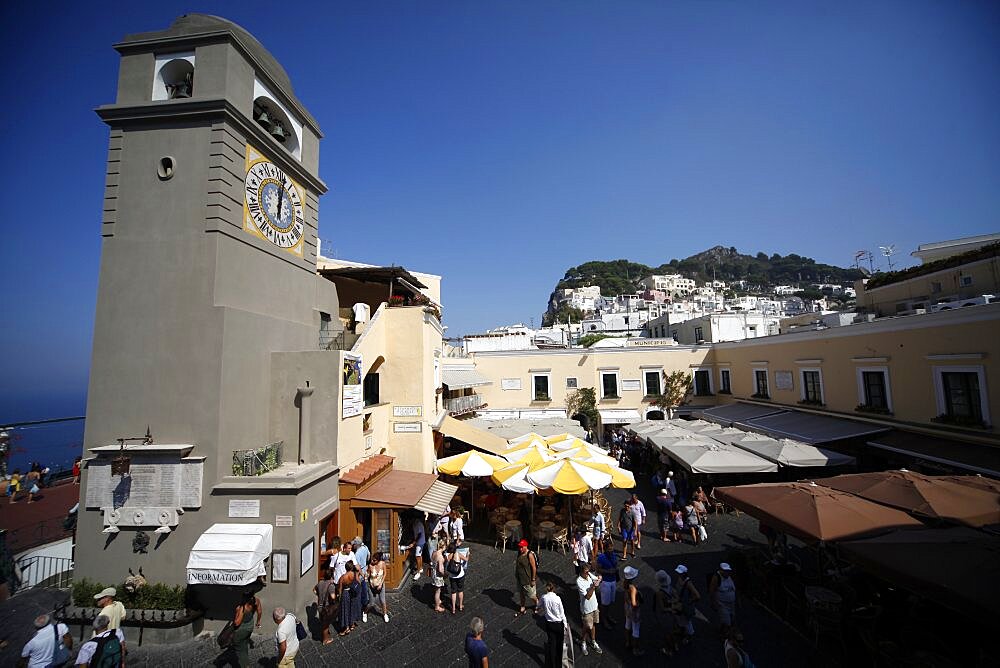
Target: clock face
[(273, 205)]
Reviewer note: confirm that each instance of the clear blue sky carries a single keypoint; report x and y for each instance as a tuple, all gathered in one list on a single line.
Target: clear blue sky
[(500, 143)]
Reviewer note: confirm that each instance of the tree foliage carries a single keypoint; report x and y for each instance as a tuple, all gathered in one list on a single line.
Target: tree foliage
[(583, 401), (588, 340), (676, 388), (725, 264), (563, 314)]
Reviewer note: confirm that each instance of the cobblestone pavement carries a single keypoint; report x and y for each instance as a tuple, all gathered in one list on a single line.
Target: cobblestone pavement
[(416, 634)]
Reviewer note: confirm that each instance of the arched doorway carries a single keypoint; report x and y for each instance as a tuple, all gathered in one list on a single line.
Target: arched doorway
[(655, 414)]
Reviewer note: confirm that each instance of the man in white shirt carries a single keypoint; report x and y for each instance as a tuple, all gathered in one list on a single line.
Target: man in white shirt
[(583, 549), (285, 640), (587, 584), (109, 649), (338, 562), (639, 513), (41, 649), (550, 608)]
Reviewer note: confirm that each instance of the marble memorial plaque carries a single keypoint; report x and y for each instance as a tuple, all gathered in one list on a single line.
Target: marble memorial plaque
[(192, 473)]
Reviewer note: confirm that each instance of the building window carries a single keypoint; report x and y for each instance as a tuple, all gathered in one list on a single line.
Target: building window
[(965, 281), (725, 383), (609, 385), (702, 383), (935, 287), (812, 386), (699, 334), (652, 379), (760, 384), (571, 384), (370, 389), (540, 388), (961, 395), (873, 390)]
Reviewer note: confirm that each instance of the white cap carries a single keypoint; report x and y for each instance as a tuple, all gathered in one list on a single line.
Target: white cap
[(630, 572), (670, 473), (681, 568), (725, 567)]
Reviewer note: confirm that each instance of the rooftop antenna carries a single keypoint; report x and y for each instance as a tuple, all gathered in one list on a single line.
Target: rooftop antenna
[(888, 252)]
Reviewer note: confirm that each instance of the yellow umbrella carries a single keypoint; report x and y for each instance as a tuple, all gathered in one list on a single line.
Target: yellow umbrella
[(558, 437), (526, 437), (620, 478), (472, 463), (525, 445), (568, 476)]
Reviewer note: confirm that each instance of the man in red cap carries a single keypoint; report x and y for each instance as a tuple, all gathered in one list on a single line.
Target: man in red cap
[(526, 574)]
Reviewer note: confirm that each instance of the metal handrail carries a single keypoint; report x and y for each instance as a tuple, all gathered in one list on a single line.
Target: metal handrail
[(257, 461)]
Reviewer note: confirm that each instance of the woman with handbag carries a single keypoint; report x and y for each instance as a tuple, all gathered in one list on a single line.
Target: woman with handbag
[(239, 630), (326, 603), (455, 562)]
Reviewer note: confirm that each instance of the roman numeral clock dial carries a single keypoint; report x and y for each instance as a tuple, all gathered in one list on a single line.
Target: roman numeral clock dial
[(272, 204)]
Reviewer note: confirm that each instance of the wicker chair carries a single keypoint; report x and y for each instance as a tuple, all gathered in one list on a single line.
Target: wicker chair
[(561, 539)]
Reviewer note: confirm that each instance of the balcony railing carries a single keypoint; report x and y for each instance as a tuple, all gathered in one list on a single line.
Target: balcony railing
[(45, 571), (457, 405), (258, 461)]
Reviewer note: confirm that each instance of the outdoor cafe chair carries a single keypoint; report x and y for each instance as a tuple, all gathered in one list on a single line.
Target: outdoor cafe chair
[(502, 536)]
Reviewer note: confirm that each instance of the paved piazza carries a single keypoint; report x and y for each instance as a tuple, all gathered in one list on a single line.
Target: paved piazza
[(416, 634)]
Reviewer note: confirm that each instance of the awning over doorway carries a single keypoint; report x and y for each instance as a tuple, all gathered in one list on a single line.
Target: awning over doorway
[(230, 554), (477, 438), (457, 378), (620, 416), (437, 498)]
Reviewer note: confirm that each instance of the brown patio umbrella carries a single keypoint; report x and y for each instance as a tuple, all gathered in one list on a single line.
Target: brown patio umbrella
[(977, 481), (927, 496), (813, 512)]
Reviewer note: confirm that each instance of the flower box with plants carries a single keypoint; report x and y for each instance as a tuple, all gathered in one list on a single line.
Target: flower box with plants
[(542, 397), (397, 300), (758, 395), (152, 604), (811, 402), (865, 408), (959, 421)]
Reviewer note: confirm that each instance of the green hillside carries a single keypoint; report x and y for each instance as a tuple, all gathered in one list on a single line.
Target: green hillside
[(724, 264)]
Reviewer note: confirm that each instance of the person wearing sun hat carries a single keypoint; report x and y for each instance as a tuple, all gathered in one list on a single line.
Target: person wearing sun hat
[(633, 601), (666, 602), (722, 592), (112, 609), (688, 595)]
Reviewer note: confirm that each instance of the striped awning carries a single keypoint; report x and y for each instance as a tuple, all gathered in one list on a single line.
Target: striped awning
[(457, 378), (437, 498)]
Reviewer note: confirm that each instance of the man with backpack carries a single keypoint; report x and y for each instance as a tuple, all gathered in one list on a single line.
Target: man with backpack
[(105, 649), (526, 575)]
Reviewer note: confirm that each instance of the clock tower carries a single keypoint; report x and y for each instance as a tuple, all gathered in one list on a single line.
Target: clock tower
[(208, 271)]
